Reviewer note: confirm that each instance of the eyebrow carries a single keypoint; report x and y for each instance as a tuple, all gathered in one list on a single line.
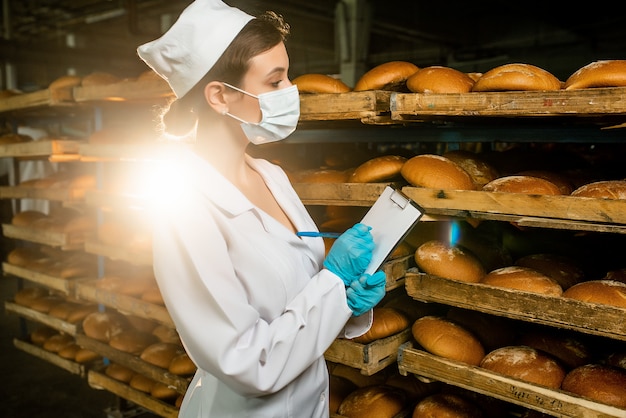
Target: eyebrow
[(276, 70)]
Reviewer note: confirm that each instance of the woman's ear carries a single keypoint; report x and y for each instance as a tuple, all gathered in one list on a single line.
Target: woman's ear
[(215, 97)]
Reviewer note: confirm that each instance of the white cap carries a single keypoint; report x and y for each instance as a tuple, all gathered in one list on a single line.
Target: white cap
[(190, 48)]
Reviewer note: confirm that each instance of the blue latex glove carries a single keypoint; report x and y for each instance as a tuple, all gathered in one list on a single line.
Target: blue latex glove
[(367, 292), (351, 253)]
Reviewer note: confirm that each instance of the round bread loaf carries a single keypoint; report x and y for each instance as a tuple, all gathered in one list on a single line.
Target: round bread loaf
[(479, 170), (182, 365), (438, 79), (522, 184), (141, 383), (517, 77), (166, 334), (386, 322), (525, 363), (161, 354), (320, 83), (387, 76), (562, 269), (445, 338), (41, 334), (22, 256), (57, 342), (561, 181), (378, 169), (102, 326), (27, 217), (606, 292), (524, 279), (492, 331), (604, 73), (446, 405), (377, 401), (339, 388), (598, 382), (80, 311), (162, 391), (606, 189), (323, 176), (28, 295), (450, 262), (131, 341), (436, 172), (45, 303), (62, 310), (118, 372), (69, 351), (563, 346), (85, 355)]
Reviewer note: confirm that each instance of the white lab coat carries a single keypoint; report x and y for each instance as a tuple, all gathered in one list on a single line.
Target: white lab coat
[(250, 300)]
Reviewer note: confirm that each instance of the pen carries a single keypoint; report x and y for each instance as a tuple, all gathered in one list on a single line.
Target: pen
[(318, 234)]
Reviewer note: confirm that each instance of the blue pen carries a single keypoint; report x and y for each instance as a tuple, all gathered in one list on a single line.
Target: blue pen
[(318, 234)]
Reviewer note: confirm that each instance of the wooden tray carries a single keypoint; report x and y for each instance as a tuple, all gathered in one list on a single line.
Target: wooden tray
[(24, 192), (550, 401), (100, 381), (87, 290), (53, 239), (134, 363), (138, 258), (367, 106), (61, 285), (50, 357), (561, 312), (40, 148), (36, 99), (41, 318), (368, 358), (340, 194), (124, 90)]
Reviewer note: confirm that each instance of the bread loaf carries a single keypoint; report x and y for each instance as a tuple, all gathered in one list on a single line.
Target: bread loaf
[(166, 334), (378, 401), (182, 365), (562, 269), (597, 382), (339, 388), (387, 322), (450, 262), (517, 77), (445, 338), (436, 172), (564, 184), (378, 169), (606, 189), (141, 383), (102, 326), (41, 334), (387, 76), (161, 354), (160, 390), (524, 279), (479, 170), (28, 295), (438, 79), (23, 256), (446, 405), (69, 351), (563, 346), (57, 342), (131, 341), (320, 83), (85, 355), (525, 363), (522, 184), (606, 292), (118, 372), (27, 217), (603, 73)]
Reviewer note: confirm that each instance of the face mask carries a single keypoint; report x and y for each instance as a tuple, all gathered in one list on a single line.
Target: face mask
[(280, 110)]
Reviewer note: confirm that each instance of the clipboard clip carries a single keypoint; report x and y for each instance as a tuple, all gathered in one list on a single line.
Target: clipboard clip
[(399, 198)]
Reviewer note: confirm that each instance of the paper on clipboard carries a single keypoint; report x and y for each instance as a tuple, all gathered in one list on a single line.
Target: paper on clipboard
[(391, 217)]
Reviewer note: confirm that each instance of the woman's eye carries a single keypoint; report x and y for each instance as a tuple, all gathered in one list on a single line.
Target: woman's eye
[(276, 83)]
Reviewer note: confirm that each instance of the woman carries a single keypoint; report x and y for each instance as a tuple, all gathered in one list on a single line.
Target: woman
[(256, 306)]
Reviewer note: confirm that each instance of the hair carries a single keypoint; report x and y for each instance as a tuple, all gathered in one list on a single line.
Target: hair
[(179, 116)]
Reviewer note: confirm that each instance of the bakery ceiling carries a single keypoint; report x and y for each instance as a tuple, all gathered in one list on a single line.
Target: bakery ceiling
[(44, 39)]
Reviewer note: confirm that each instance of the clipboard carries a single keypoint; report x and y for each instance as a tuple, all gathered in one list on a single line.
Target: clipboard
[(391, 217)]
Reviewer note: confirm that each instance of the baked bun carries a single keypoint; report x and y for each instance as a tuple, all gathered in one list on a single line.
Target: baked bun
[(377, 401), (388, 76), (28, 295), (141, 383), (386, 322), (119, 372), (606, 189), (517, 77), (378, 169), (27, 217), (99, 78), (41, 334), (606, 292), (166, 334), (22, 256), (57, 342), (479, 170), (446, 405), (600, 383), (161, 354), (492, 331), (182, 365), (524, 279), (522, 184), (445, 338), (563, 346), (562, 269), (525, 363), (605, 73), (160, 390), (131, 341), (85, 355), (64, 82), (436, 172), (339, 388), (564, 184), (102, 326), (320, 83), (450, 262), (69, 351), (438, 79)]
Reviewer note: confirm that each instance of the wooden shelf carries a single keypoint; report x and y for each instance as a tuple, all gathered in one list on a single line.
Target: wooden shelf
[(41, 318), (53, 239), (50, 357), (61, 285), (118, 253), (41, 148)]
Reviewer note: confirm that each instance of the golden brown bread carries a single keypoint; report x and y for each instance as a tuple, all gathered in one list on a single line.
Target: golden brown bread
[(387, 76), (27, 217), (525, 363), (439, 79), (102, 326), (118, 372), (563, 346), (522, 184), (160, 354), (524, 279), (562, 269), (160, 390), (41, 334), (605, 189), (85, 355), (28, 295), (451, 262), (446, 405), (603, 73), (386, 322), (560, 180), (57, 342), (320, 83), (131, 341), (436, 172), (481, 171), (377, 401), (69, 351), (445, 338), (182, 365), (141, 382), (378, 169), (517, 77), (606, 292), (598, 382)]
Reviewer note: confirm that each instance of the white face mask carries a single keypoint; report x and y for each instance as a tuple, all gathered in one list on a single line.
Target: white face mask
[(280, 110)]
